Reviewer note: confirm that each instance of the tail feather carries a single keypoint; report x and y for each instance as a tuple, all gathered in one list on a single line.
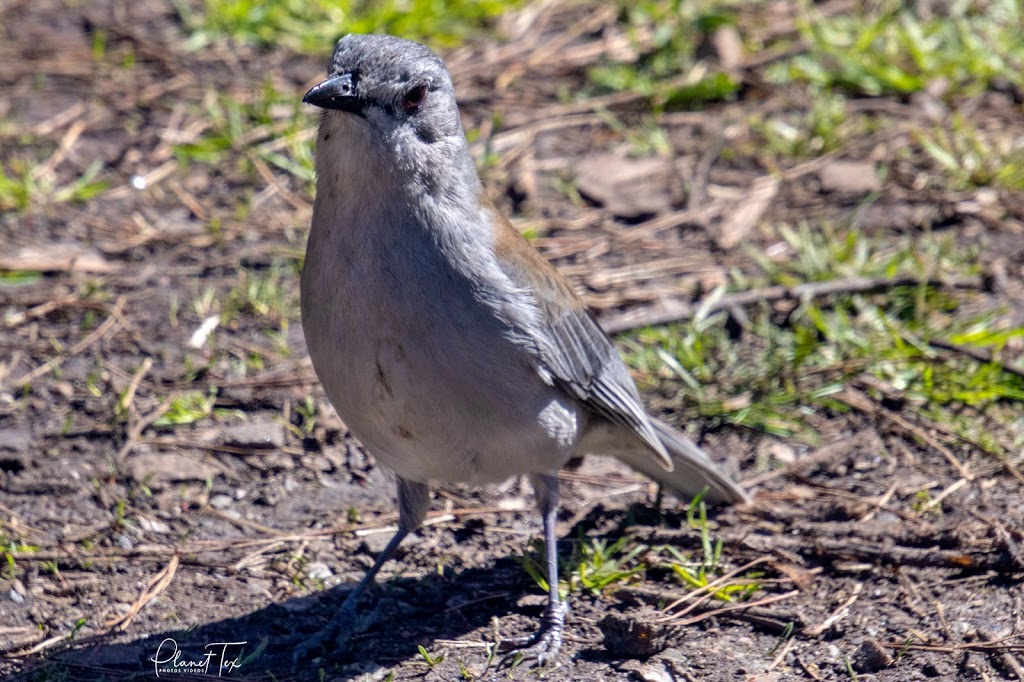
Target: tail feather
[(693, 470)]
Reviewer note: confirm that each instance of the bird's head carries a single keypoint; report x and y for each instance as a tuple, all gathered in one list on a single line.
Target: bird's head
[(396, 93)]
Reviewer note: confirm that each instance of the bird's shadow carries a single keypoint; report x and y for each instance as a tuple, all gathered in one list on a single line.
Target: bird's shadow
[(400, 616)]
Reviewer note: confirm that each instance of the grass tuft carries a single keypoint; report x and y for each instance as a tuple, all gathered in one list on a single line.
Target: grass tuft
[(788, 370), (667, 69), (887, 48), (313, 26)]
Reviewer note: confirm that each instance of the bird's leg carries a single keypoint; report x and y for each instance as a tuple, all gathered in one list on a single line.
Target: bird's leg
[(413, 501), (542, 647)]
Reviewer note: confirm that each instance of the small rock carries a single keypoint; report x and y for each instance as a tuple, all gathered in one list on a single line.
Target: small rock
[(153, 525), (634, 635), (374, 543), (258, 435), (675, 658), (630, 666), (986, 196), (124, 596), (871, 657), (221, 501), (849, 177), (532, 600), (373, 672), (66, 389), (17, 593), (513, 504), (628, 188), (269, 495), (992, 631), (782, 453), (16, 439), (939, 668), (648, 672), (297, 605), (178, 223), (259, 586), (168, 468), (965, 630), (887, 215), (317, 570), (729, 46)]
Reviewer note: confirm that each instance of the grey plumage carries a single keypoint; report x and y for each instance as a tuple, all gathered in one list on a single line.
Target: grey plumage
[(447, 344)]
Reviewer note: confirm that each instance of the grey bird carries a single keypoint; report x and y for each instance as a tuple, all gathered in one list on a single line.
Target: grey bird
[(447, 344)]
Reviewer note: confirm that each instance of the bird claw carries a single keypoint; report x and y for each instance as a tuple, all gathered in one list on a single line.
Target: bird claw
[(540, 648), (334, 636)]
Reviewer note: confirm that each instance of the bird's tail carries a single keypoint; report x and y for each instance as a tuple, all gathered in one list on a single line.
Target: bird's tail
[(692, 472)]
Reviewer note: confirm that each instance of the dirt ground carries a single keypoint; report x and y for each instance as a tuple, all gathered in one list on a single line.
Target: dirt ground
[(123, 530)]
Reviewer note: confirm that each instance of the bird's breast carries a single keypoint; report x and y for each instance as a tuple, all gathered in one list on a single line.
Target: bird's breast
[(419, 368)]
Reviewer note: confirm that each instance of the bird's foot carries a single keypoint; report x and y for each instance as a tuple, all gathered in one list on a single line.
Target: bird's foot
[(334, 636), (540, 648)]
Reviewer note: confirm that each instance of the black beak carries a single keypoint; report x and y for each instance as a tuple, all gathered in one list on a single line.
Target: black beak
[(337, 92)]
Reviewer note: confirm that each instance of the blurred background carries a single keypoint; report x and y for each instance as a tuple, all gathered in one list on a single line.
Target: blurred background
[(804, 222)]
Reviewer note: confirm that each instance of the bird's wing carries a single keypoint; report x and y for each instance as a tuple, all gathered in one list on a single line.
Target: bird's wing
[(571, 347)]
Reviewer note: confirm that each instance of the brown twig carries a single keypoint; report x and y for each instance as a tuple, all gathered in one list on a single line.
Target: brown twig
[(767, 620), (824, 454), (843, 550), (705, 592), (983, 647), (46, 170), (136, 430), (128, 397), (268, 177), (47, 307), (156, 586), (19, 637), (97, 334), (736, 607), (949, 490), (881, 501), (810, 668), (838, 614), (861, 401), (781, 655)]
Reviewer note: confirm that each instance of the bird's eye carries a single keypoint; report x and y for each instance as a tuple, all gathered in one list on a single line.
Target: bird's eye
[(412, 99)]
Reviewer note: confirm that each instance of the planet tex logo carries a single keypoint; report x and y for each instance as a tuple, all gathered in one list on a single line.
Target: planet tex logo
[(218, 656)]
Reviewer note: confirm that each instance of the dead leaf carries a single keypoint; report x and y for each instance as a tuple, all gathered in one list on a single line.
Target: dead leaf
[(738, 224)]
